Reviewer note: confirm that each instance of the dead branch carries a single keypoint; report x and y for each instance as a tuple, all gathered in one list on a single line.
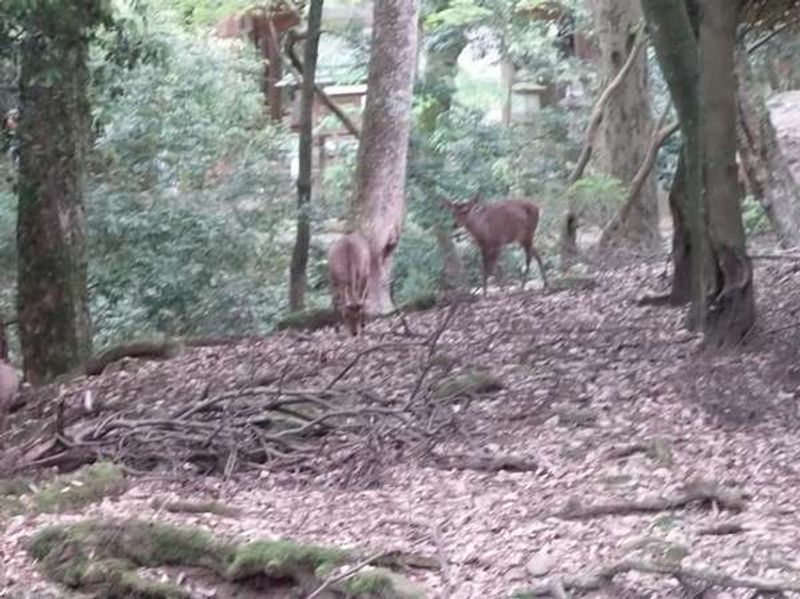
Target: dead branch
[(724, 528), (603, 576), (597, 112), (702, 492), (485, 463), (660, 134)]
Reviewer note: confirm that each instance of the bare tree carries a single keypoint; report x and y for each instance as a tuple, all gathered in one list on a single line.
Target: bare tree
[(379, 205), (297, 271)]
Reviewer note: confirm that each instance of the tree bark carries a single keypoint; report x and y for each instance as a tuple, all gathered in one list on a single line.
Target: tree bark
[(731, 307), (54, 322), (681, 291), (766, 167), (674, 37), (299, 264), (379, 206), (624, 135), (438, 84)]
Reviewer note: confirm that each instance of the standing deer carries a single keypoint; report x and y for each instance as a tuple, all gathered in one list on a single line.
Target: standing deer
[(496, 225), (349, 263), (9, 383)]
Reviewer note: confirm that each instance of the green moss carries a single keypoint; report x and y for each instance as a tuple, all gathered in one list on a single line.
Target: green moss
[(86, 486), (284, 559), (380, 583), (102, 558), (372, 582), (469, 383)]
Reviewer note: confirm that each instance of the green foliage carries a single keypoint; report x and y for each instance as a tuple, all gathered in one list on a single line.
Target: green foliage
[(185, 203), (599, 197), (754, 217)]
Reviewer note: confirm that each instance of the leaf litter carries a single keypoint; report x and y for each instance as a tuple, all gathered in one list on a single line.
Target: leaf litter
[(615, 402)]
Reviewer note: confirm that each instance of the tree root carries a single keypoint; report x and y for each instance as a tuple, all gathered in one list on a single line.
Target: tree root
[(150, 350), (703, 492), (603, 576)]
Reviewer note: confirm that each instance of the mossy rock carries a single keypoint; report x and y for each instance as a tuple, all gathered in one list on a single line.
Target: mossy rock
[(308, 320), (468, 383), (81, 488)]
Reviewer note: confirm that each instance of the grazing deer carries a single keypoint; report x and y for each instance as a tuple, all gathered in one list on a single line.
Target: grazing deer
[(349, 263), (496, 225), (9, 383)]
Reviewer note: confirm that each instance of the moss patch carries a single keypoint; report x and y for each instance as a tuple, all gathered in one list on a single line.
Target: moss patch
[(285, 559), (104, 558), (85, 486)]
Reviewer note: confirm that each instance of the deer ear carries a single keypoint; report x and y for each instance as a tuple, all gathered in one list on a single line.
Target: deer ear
[(477, 198)]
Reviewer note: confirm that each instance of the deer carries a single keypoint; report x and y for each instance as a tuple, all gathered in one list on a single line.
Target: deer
[(493, 226), (9, 383), (349, 265)]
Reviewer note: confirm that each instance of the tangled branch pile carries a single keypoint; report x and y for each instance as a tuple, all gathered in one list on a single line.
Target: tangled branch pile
[(337, 427)]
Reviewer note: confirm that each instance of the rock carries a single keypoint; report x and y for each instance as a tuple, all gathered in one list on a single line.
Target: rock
[(540, 564)]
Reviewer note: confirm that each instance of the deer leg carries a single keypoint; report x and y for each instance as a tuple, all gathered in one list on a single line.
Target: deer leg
[(489, 263), (528, 247), (541, 265)]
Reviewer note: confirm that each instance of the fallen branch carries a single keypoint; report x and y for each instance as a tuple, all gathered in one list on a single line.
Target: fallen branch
[(486, 463), (603, 576), (703, 492)]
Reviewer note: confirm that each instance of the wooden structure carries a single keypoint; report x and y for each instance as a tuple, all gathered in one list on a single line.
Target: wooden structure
[(265, 26)]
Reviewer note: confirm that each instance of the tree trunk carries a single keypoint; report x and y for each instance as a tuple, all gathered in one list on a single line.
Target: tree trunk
[(768, 172), (681, 244), (54, 323), (379, 206), (731, 308), (674, 37), (438, 85), (297, 270), (624, 136)]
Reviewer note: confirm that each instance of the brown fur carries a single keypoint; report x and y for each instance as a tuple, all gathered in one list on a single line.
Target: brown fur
[(349, 263), (493, 226)]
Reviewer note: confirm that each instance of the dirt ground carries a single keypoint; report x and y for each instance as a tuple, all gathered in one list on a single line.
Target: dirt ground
[(585, 373)]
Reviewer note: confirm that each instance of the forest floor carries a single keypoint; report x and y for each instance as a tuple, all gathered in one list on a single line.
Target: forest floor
[(614, 401)]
